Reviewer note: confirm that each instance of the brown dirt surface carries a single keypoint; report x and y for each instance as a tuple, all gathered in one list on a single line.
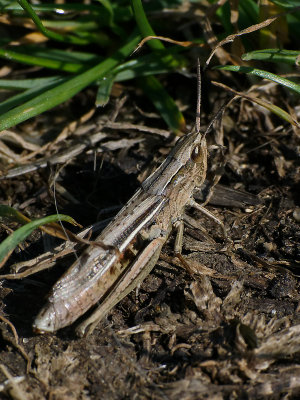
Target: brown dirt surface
[(227, 329)]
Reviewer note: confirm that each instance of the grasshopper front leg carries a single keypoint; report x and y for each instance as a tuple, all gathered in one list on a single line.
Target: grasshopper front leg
[(179, 225), (199, 207), (137, 272)]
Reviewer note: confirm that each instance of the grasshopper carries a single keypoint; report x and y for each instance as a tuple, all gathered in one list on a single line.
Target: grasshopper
[(129, 247)]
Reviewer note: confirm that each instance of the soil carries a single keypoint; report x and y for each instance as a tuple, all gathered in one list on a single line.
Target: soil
[(228, 326)]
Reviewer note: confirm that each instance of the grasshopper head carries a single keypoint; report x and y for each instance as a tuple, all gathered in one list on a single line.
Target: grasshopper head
[(46, 320)]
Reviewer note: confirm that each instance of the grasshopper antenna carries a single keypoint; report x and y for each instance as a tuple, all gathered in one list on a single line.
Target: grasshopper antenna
[(198, 117)]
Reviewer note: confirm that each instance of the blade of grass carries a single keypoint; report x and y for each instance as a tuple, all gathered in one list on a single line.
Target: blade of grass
[(66, 90), (104, 90), (14, 6), (50, 34), (22, 98), (25, 58), (70, 25), (144, 26), (248, 13), (78, 57), (110, 19), (23, 84), (262, 74), (274, 55), (150, 85), (121, 13), (88, 31), (52, 228), (143, 65), (12, 214), (286, 3), (163, 103), (12, 241)]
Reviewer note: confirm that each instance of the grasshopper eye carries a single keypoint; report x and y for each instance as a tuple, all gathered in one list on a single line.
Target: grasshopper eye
[(197, 154)]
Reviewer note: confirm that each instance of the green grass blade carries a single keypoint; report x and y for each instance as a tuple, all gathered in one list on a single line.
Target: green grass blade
[(66, 90), (104, 90), (150, 85), (109, 8), (23, 84), (49, 34), (248, 13), (144, 26), (70, 61), (149, 64), (25, 58), (262, 74), (14, 6), (142, 66), (77, 57), (12, 214), (24, 97), (274, 55), (223, 14), (163, 103), (12, 241), (286, 3)]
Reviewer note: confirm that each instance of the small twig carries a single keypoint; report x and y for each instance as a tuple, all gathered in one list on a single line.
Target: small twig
[(265, 104), (11, 385), (16, 344)]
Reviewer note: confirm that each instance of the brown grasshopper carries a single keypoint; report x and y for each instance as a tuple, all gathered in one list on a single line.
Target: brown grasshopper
[(129, 247)]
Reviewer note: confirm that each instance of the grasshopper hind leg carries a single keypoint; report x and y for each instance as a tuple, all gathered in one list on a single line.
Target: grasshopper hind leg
[(134, 275)]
